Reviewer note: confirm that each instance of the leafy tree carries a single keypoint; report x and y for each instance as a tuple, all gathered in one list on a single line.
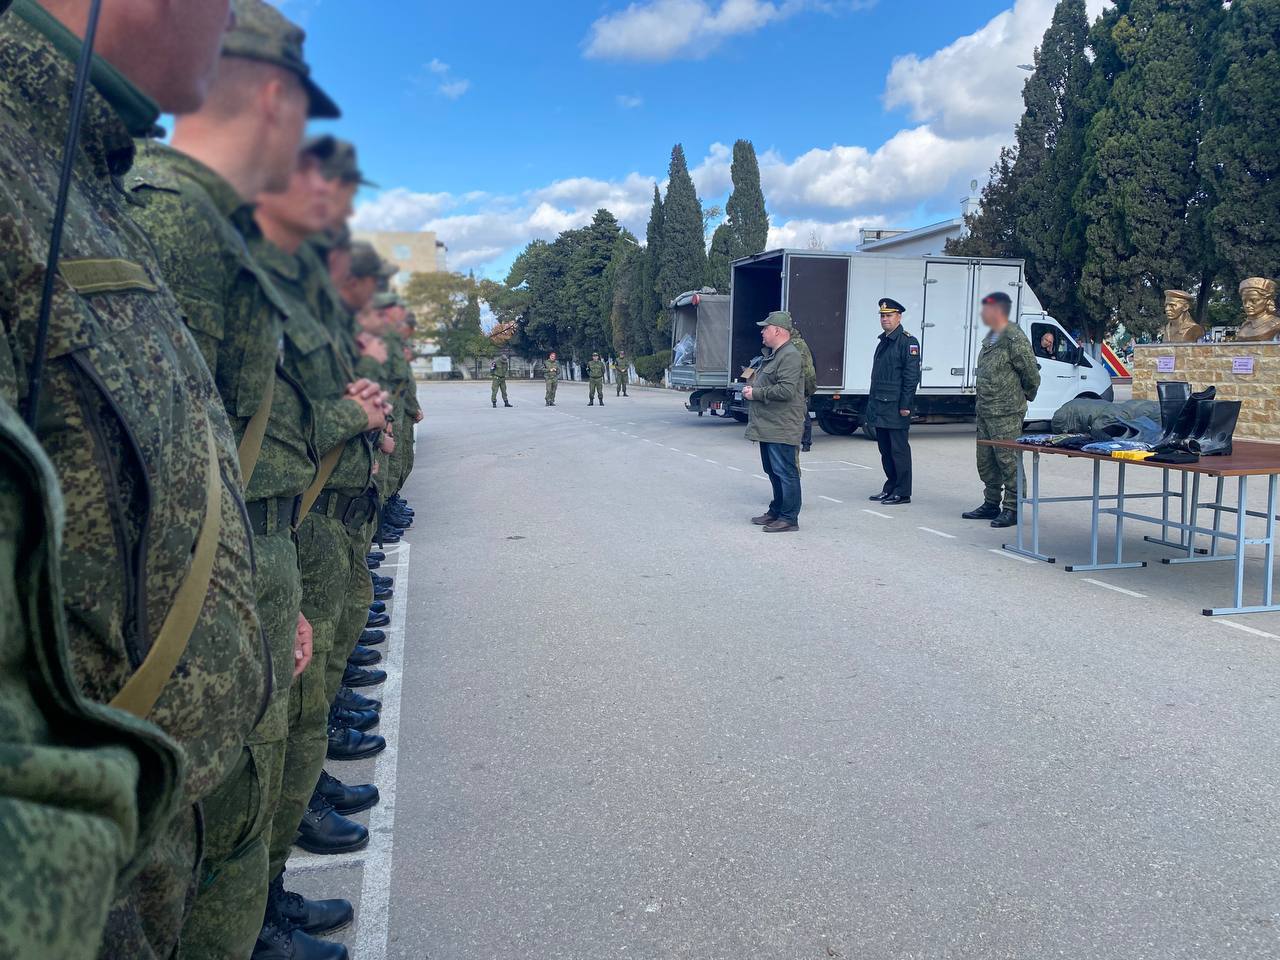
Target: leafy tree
[(1144, 203), (462, 337), (1240, 155), (588, 297), (682, 257)]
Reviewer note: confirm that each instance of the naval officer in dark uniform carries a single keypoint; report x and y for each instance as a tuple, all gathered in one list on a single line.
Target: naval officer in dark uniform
[(895, 375)]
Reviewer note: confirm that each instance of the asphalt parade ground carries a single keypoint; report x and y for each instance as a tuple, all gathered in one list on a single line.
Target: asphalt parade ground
[(624, 723)]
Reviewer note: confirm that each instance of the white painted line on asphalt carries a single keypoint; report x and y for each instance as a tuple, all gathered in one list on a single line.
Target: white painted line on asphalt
[(877, 513), (823, 496), (937, 533), (632, 423), (709, 460), (736, 469), (646, 440), (1240, 626), (373, 928), (694, 455), (850, 463), (312, 863), (760, 476), (672, 449), (1012, 556), (1111, 586)]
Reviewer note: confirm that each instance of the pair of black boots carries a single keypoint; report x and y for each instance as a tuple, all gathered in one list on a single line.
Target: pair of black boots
[(1195, 424), (293, 923)]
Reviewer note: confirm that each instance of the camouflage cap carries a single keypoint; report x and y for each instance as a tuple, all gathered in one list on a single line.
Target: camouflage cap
[(385, 301), (261, 32), (343, 165), (335, 238), (780, 319), (365, 262)]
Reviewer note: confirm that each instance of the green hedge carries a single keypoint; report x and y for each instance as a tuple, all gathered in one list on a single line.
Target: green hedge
[(652, 367)]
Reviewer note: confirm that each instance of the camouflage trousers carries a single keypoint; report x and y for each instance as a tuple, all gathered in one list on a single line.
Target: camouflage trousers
[(499, 383), (595, 388), (551, 390), (998, 468), (232, 895), (355, 610), (410, 451), (328, 566), (622, 385)]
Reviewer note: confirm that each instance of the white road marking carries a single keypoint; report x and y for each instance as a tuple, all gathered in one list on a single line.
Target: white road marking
[(937, 533), (736, 469), (1012, 556), (709, 460), (694, 455), (760, 476), (632, 423), (672, 449), (1240, 626), (1111, 586), (877, 513), (822, 496), (648, 441)]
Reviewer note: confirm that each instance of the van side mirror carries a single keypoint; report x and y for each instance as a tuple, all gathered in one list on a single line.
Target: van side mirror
[(1075, 356)]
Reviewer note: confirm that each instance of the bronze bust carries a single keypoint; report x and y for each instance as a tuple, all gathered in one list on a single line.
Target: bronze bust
[(1181, 327), (1261, 322)]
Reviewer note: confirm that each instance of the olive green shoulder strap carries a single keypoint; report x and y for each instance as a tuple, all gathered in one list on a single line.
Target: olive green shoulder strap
[(143, 689), (328, 464), (255, 432)]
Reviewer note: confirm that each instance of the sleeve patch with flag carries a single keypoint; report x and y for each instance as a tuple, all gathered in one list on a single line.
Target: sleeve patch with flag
[(914, 349)]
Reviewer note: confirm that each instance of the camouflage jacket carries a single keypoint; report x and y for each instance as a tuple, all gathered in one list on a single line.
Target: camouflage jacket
[(552, 371), (199, 225), (314, 359), (82, 786), (400, 380), (806, 357), (1008, 376), (621, 369), (324, 302), (595, 369), (500, 369), (127, 409)]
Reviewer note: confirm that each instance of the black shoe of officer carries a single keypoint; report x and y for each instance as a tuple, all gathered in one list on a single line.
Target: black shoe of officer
[(346, 799), (505, 404), (277, 943), (382, 593), (363, 657), (362, 720), (315, 917), (359, 677), (324, 830), (379, 581), (371, 638), (878, 497), (378, 606), (988, 511), (1006, 518), (376, 620), (389, 535), (377, 555), (373, 564), (348, 699), (347, 743)]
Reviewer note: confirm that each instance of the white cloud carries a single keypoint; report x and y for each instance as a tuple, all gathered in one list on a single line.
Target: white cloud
[(437, 66), (973, 86), (453, 89), (401, 209), (832, 235), (662, 29), (629, 102)]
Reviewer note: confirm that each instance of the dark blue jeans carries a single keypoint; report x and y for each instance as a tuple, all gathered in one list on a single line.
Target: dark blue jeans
[(781, 464)]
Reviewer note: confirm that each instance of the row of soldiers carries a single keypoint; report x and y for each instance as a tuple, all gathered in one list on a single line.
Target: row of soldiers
[(500, 369), (198, 447)]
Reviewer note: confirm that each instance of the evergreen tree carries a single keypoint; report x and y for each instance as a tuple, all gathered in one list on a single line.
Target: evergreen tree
[(1241, 152), (723, 253), (990, 232), (647, 306), (1144, 200), (747, 218), (682, 257), (589, 300)]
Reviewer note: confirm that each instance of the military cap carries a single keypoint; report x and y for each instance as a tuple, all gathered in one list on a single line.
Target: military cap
[(1179, 295), (343, 165), (999, 298), (263, 33), (780, 319), (365, 262), (321, 146), (384, 301), (888, 305)]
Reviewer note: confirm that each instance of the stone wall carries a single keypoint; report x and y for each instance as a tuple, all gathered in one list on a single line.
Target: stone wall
[(1204, 364)]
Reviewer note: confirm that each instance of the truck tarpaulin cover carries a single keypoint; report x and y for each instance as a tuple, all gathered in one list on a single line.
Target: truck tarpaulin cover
[(713, 335)]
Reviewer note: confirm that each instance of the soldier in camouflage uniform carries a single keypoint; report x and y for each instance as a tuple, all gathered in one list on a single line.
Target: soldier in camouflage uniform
[(810, 387), (157, 557), (83, 787), (498, 372), (194, 202), (1008, 378), (595, 380), (621, 372), (552, 376)]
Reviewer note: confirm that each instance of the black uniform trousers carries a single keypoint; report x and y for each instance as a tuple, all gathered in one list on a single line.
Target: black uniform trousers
[(895, 457)]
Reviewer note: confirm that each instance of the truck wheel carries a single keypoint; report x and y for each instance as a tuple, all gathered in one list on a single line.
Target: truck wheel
[(837, 424), (868, 430)]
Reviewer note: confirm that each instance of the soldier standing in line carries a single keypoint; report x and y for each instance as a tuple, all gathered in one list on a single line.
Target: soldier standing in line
[(810, 387), (1008, 378), (498, 371), (895, 375), (622, 372), (195, 203), (595, 380), (552, 376), (157, 579)]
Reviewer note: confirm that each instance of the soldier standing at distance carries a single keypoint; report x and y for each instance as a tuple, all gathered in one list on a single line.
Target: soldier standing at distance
[(157, 578), (595, 380), (552, 376), (498, 371), (895, 375), (1008, 377), (622, 372)]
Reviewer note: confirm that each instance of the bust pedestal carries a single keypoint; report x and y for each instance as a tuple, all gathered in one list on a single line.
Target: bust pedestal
[(1224, 366)]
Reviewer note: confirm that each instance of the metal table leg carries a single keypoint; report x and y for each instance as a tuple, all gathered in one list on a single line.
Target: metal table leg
[(1020, 547), (1118, 563)]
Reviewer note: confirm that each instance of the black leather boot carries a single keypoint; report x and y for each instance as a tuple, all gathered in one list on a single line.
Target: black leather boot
[(1175, 437), (316, 917), (362, 720), (371, 638), (378, 606), (1006, 518), (323, 830), (377, 620), (377, 555), (382, 593), (348, 699), (360, 677), (347, 798), (1214, 428), (988, 511), (348, 743), (275, 942), (363, 657)]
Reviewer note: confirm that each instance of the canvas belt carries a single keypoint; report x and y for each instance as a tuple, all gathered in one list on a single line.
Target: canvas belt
[(352, 512), (273, 514)]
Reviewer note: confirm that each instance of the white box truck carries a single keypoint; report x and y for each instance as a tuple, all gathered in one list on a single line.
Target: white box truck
[(699, 347), (833, 298)]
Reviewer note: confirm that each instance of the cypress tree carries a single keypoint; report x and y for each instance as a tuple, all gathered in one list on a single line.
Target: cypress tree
[(647, 304), (1142, 203), (745, 212), (990, 232), (723, 253), (682, 257), (1241, 152)]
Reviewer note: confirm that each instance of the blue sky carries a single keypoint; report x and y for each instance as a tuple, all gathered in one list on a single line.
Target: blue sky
[(495, 123)]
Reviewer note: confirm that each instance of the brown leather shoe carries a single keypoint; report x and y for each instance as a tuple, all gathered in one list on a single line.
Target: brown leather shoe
[(764, 519), (782, 526)]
